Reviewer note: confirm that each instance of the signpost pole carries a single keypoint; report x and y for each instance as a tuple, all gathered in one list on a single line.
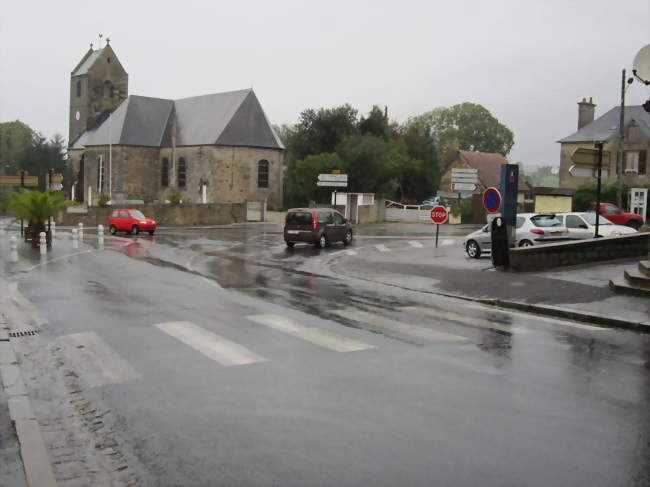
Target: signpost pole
[(437, 232), (49, 186), (22, 185), (599, 145)]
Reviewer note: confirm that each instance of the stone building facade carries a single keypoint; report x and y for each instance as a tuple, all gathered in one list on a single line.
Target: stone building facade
[(210, 148), (636, 146)]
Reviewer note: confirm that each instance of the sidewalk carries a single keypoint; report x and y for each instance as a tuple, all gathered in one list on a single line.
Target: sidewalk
[(579, 293)]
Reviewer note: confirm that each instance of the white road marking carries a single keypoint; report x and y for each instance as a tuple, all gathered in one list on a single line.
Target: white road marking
[(323, 338), (553, 321), (462, 319), (447, 242), (351, 252), (415, 244), (405, 328), (213, 346), (62, 257), (382, 248), (97, 363)]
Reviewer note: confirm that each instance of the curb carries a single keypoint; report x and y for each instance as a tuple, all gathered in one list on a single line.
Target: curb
[(33, 452), (574, 315), (542, 310)]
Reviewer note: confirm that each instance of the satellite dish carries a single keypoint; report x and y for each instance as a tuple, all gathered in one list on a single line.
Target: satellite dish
[(555, 171), (641, 66)]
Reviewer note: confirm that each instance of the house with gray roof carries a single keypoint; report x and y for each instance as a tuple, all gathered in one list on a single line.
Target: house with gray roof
[(218, 147), (605, 128)]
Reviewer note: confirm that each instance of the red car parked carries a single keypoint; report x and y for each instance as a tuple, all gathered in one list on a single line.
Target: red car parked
[(130, 221), (619, 217)]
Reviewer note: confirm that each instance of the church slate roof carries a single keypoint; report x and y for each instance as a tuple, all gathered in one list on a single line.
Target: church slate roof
[(85, 64), (606, 126), (233, 118)]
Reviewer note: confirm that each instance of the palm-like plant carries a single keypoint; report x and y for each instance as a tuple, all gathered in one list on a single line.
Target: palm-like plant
[(37, 207)]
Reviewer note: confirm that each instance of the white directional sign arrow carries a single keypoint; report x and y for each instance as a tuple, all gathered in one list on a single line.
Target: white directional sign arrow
[(340, 178), (332, 183), (463, 186)]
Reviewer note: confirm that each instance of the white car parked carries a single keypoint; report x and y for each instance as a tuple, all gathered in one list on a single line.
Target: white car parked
[(532, 229), (583, 225)]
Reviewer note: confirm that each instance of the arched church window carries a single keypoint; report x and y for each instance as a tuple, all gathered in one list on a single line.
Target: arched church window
[(182, 172), (263, 174), (78, 88), (164, 173)]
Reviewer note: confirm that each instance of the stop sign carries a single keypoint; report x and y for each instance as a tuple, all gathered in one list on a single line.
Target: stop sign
[(439, 214)]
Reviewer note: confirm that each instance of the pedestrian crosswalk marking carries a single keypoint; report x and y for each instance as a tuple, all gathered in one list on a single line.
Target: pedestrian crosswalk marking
[(351, 252), (324, 338), (415, 244), (213, 346), (97, 363), (382, 248), (393, 325), (462, 319), (447, 242)]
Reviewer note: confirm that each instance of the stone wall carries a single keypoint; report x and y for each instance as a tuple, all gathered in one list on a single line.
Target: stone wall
[(165, 215), (562, 254), (369, 214)]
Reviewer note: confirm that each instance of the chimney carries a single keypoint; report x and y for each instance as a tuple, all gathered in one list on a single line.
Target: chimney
[(586, 112)]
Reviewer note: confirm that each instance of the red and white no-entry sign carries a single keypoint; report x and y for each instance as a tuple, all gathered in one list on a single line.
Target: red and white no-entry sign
[(439, 214)]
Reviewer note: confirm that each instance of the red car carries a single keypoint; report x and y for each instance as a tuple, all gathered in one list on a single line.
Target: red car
[(130, 221), (619, 217)]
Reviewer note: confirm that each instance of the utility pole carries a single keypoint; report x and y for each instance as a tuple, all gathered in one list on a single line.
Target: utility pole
[(621, 140)]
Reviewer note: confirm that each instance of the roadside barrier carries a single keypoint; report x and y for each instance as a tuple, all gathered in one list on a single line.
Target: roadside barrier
[(42, 243), (81, 231), (75, 239), (13, 249), (53, 229), (100, 235)]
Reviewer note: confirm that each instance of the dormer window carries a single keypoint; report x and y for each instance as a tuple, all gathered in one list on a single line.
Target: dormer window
[(108, 60), (78, 88)]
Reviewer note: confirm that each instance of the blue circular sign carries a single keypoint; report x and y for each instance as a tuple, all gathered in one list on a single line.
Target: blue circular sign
[(492, 200)]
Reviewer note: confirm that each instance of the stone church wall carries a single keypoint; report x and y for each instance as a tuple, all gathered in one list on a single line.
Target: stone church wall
[(230, 173)]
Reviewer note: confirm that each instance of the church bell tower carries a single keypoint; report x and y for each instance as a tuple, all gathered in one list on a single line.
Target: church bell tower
[(98, 84)]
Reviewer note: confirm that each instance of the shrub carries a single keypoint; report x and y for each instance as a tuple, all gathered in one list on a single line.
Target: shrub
[(103, 200), (175, 198)]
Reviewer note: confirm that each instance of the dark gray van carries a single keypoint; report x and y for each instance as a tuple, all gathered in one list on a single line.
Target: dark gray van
[(318, 226)]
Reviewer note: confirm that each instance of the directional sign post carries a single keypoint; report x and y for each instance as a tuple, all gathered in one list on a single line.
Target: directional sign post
[(492, 200), (336, 180), (340, 180), (439, 215), (331, 183), (463, 179), (463, 187), (589, 157)]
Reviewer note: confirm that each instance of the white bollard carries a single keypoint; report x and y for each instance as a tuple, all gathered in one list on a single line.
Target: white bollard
[(53, 229), (13, 249), (75, 239), (100, 235), (81, 231), (42, 243)]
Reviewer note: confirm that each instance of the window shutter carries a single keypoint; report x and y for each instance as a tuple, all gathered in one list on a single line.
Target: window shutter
[(643, 165)]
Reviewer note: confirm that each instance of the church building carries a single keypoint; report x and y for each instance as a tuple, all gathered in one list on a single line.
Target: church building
[(211, 148)]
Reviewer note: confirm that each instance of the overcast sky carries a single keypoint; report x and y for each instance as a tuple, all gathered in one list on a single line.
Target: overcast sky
[(528, 62)]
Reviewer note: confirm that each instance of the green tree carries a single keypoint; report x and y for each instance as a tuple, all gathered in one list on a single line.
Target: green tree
[(467, 126), (22, 148), (421, 178), (15, 138), (375, 123), (387, 159)]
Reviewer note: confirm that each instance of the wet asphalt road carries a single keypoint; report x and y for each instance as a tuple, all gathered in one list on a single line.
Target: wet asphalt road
[(315, 379)]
